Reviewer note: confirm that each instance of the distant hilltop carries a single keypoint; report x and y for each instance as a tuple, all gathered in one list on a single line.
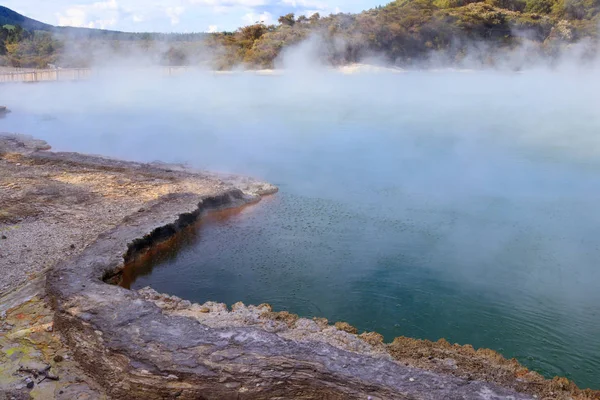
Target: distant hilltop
[(12, 19)]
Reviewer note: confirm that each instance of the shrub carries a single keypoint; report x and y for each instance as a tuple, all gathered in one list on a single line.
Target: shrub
[(539, 6)]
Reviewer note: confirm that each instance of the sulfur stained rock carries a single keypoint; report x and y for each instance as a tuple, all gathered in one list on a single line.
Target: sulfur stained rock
[(346, 327), (373, 338)]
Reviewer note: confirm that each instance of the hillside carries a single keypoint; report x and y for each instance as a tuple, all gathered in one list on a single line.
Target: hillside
[(425, 32), (10, 17), (511, 33), (25, 42)]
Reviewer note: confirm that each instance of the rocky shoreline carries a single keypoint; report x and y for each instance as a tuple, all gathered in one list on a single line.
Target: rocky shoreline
[(142, 344)]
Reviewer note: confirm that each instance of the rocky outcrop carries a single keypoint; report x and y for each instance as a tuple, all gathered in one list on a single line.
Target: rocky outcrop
[(146, 345), (139, 349)]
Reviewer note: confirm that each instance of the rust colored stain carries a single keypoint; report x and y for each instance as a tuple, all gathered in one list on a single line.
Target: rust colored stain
[(144, 263)]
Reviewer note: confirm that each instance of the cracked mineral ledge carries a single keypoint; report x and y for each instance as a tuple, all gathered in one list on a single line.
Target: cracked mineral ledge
[(70, 222)]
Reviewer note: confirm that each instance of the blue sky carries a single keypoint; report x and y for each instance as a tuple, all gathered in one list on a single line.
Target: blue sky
[(176, 15)]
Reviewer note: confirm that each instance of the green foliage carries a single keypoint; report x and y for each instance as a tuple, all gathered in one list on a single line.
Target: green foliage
[(577, 9), (22, 48), (288, 19), (28, 43), (175, 57), (403, 31), (410, 30), (539, 6), (511, 5), (454, 3), (253, 32), (482, 21)]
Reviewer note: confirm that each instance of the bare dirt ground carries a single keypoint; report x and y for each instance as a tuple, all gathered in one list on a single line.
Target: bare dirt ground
[(54, 206), (51, 208)]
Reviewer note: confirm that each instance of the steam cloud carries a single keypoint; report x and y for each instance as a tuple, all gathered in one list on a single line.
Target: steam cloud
[(481, 162)]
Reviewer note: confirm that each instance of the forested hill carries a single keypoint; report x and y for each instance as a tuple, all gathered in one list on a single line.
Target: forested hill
[(9, 17), (12, 18), (404, 32), (25, 42)]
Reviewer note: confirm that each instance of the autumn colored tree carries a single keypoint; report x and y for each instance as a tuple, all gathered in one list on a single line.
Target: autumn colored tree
[(288, 19)]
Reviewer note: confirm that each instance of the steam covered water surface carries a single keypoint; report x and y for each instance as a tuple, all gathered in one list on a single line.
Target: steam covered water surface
[(456, 205)]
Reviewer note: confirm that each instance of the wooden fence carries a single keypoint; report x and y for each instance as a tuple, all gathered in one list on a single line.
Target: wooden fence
[(73, 74), (43, 75)]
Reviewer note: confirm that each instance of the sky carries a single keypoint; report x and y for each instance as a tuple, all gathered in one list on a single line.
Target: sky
[(176, 15)]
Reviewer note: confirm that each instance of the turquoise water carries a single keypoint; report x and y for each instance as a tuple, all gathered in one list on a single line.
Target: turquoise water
[(463, 206)]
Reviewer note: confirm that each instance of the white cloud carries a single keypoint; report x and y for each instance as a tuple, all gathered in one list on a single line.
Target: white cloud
[(304, 4), (151, 15), (106, 5), (310, 13), (221, 10), (230, 3), (102, 14), (252, 18), (174, 13), (212, 29), (72, 17)]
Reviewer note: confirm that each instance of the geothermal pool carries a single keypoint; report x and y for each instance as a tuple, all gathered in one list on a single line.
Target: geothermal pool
[(439, 204)]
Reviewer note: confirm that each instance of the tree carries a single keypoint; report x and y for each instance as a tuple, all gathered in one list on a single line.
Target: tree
[(288, 19), (577, 9), (253, 32), (175, 57), (314, 18), (3, 37), (512, 5), (539, 6)]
